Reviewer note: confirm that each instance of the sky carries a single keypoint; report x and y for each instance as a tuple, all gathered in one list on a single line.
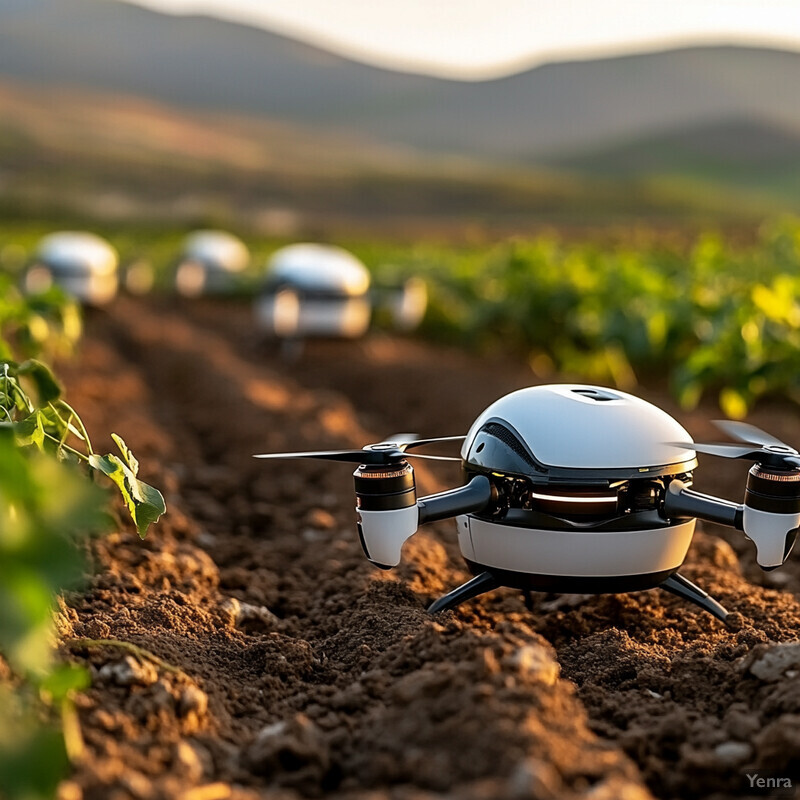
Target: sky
[(472, 39)]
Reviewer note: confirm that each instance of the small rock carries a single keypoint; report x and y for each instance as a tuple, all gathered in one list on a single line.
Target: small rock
[(206, 539), (734, 621), (565, 601), (729, 754), (241, 613), (138, 785), (771, 664), (655, 695), (129, 672), (320, 519), (192, 699), (534, 661), (617, 788), (189, 762), (534, 778)]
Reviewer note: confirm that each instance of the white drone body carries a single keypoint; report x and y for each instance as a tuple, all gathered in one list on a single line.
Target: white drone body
[(208, 262), (323, 291), (314, 290), (576, 488), (81, 263)]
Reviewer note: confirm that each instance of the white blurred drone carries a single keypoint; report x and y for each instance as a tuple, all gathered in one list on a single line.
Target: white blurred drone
[(83, 264), (575, 488), (322, 291), (209, 262)]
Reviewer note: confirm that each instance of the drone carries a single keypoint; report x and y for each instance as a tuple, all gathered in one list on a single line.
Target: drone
[(313, 290), (573, 488), (83, 264)]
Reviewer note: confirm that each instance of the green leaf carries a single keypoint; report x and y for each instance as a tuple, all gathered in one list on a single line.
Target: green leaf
[(30, 431), (144, 503), (126, 453), (47, 385)]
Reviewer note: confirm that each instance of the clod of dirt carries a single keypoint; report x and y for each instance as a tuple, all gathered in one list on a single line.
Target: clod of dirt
[(290, 752), (192, 700), (778, 744), (129, 672), (771, 664)]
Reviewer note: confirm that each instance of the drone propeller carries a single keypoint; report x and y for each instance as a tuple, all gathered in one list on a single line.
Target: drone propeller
[(390, 451), (758, 446)]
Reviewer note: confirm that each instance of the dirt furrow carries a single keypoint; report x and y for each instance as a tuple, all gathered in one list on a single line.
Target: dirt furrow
[(661, 679), (308, 672)]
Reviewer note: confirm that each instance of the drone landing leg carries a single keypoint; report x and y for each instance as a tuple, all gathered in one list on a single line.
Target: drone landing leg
[(478, 585), (682, 587), (528, 598)]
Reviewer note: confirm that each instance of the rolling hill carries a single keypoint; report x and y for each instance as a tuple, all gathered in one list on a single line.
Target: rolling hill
[(557, 109)]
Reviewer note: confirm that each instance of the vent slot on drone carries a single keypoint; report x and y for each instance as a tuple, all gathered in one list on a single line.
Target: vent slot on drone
[(510, 440), (595, 394)]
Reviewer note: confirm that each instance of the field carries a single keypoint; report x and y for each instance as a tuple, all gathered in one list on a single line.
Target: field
[(305, 670), (277, 662)]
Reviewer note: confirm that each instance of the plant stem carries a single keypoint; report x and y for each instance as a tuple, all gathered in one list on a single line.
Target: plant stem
[(74, 416), (61, 445)]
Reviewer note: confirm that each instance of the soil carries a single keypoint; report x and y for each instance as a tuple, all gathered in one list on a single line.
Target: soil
[(306, 672)]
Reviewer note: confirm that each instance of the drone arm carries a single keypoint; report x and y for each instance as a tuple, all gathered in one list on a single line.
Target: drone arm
[(473, 496), (764, 520), (681, 501)]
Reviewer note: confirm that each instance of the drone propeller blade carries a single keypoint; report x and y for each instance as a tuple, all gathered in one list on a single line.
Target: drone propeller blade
[(400, 438), (421, 442), (431, 458), (390, 451), (745, 432), (727, 450), (347, 456), (724, 449)]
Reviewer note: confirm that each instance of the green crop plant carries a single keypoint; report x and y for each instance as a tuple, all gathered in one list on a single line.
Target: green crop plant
[(713, 319), (48, 324), (46, 507), (50, 424)]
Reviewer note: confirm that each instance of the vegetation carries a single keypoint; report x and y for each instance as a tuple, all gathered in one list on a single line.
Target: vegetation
[(718, 320), (46, 507)]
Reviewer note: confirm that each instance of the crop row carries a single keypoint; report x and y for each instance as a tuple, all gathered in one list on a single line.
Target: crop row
[(47, 506), (717, 320)]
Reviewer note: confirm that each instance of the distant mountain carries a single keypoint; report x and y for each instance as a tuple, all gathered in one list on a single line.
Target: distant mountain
[(206, 64), (738, 152)]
